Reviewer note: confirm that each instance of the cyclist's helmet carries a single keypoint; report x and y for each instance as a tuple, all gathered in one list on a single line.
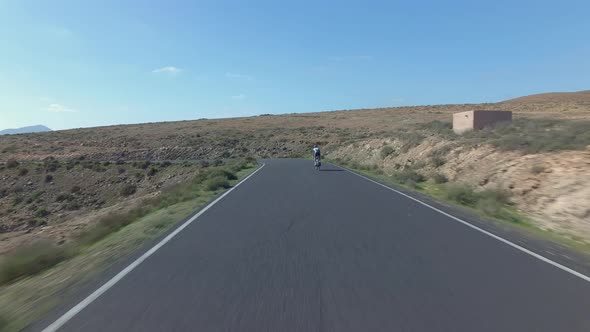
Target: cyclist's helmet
[(315, 145)]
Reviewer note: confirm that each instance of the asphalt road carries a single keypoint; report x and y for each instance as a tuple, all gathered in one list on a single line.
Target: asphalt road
[(294, 249)]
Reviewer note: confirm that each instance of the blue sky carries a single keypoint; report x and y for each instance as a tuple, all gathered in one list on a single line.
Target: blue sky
[(70, 64)]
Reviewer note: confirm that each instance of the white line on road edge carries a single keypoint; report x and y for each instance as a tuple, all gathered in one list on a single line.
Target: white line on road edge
[(80, 306), (514, 245)]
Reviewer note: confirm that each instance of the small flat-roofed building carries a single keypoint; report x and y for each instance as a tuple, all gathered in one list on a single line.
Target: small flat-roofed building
[(476, 119)]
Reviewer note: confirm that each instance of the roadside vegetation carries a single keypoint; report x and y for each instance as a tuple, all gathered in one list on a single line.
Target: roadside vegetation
[(494, 203), (34, 258), (32, 275), (528, 135)]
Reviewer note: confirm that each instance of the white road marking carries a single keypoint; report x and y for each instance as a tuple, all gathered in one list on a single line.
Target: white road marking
[(512, 244), (97, 293)]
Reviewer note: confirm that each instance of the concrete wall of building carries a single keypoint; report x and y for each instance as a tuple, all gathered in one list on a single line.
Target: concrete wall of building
[(462, 122), (470, 120), (483, 119)]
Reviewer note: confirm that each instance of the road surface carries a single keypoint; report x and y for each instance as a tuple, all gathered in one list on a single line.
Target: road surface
[(294, 249)]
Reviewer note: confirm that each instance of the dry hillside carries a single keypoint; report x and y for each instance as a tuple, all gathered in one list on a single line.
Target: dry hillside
[(572, 105), (542, 159)]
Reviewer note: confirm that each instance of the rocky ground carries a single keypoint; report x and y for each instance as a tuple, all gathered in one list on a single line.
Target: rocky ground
[(58, 199)]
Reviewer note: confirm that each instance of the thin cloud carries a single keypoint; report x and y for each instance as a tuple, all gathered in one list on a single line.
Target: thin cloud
[(398, 100), (170, 70), (58, 108), (241, 96), (235, 76)]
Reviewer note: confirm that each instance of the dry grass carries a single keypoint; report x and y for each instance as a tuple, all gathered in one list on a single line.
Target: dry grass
[(34, 258)]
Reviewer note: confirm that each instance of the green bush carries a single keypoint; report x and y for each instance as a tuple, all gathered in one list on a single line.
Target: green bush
[(88, 165), (222, 173), (41, 213), (64, 197), (491, 202), (30, 260), (36, 196), (143, 165), (48, 178), (23, 171), (73, 206), (461, 194), (17, 200), (128, 190), (110, 224), (70, 165), (439, 178), (494, 202), (217, 182), (239, 165), (417, 165), (438, 161), (50, 164), (386, 151), (98, 167), (438, 127), (152, 171), (497, 195), (11, 163), (75, 189), (407, 175)]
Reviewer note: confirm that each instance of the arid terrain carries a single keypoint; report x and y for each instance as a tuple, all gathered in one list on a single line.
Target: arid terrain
[(59, 180)]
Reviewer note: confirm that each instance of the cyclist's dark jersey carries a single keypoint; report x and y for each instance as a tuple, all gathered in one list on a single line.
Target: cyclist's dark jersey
[(316, 152)]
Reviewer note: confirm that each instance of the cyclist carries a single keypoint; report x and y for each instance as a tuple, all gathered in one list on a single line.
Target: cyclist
[(316, 154)]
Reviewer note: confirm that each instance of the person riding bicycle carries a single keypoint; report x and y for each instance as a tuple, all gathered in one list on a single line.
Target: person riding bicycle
[(316, 154)]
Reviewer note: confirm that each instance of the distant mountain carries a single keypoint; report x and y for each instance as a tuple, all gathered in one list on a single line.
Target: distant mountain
[(25, 130)]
